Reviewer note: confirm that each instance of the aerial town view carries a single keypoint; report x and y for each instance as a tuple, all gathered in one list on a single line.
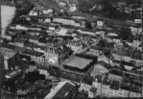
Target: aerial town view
[(71, 49)]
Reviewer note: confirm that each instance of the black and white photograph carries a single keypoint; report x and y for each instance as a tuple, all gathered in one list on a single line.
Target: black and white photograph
[(71, 49)]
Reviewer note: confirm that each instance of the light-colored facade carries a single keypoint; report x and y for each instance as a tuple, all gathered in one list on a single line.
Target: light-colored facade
[(7, 14)]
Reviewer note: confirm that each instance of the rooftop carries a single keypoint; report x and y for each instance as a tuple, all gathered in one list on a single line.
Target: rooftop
[(93, 52), (33, 53), (60, 90), (7, 52), (78, 62), (99, 68)]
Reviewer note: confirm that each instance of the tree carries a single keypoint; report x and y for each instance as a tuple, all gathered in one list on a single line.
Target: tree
[(88, 25), (107, 52), (85, 5), (101, 7), (23, 7), (125, 34)]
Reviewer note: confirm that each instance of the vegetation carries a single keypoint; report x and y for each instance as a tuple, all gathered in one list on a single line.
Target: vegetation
[(108, 8)]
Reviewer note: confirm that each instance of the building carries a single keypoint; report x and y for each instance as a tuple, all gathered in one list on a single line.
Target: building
[(92, 52), (9, 58), (35, 56), (133, 82), (115, 80), (62, 90), (100, 68), (75, 45), (55, 54), (64, 21), (78, 64), (100, 24), (78, 69)]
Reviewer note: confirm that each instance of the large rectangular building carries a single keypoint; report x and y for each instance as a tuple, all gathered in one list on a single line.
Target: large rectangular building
[(78, 69), (78, 64)]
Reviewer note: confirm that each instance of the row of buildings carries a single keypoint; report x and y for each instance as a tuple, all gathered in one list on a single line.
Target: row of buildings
[(76, 50)]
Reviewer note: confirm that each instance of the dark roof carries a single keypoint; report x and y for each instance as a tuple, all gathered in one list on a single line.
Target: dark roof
[(116, 72), (33, 53), (78, 62), (125, 63), (8, 46)]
